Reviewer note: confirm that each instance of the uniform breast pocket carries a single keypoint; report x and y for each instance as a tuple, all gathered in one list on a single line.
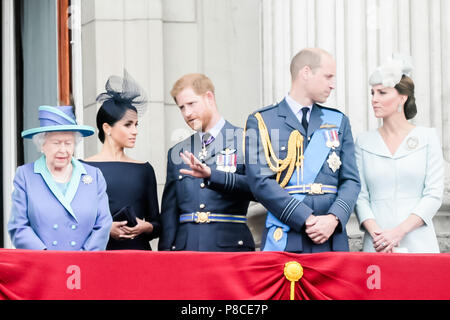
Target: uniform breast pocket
[(235, 237), (280, 148), (185, 186)]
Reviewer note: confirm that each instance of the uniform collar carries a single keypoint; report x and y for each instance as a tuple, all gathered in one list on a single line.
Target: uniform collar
[(297, 107), (315, 118), (373, 142), (222, 141), (214, 130)]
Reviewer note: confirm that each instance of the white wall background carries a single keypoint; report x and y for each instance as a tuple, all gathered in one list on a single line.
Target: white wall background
[(361, 34)]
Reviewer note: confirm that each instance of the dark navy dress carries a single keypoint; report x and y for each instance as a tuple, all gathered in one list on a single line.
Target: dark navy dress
[(132, 184)]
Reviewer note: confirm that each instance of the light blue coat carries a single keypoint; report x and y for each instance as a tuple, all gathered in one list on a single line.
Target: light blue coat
[(394, 186), (42, 217)]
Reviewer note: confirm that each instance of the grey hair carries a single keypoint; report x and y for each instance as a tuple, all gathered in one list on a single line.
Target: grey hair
[(39, 139)]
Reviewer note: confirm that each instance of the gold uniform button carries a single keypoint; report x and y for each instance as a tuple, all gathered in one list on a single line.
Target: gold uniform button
[(202, 206)]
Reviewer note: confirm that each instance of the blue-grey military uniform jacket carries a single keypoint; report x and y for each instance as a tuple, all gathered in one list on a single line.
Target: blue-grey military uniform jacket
[(223, 193), (280, 122)]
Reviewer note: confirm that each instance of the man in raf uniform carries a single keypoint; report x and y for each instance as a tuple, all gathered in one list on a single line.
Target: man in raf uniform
[(206, 195), (300, 162)]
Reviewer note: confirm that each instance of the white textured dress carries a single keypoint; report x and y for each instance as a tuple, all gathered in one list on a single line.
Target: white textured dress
[(395, 186)]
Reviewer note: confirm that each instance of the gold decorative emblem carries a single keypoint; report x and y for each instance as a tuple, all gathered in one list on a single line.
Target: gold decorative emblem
[(334, 162), (412, 143), (293, 271), (202, 217), (87, 179), (316, 188), (278, 234)]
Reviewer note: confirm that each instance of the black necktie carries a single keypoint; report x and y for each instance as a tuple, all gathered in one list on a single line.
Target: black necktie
[(207, 139), (304, 119)]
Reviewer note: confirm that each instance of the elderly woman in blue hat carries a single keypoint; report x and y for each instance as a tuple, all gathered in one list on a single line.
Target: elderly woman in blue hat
[(58, 203)]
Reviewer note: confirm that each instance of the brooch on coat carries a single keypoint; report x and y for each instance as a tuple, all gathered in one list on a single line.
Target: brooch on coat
[(412, 143), (86, 179)]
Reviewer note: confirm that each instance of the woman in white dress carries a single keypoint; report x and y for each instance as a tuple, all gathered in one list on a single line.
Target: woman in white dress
[(401, 169)]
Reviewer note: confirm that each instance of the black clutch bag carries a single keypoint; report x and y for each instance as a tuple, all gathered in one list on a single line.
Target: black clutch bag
[(126, 214)]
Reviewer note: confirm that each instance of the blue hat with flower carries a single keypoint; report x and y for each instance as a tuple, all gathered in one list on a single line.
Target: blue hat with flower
[(59, 118)]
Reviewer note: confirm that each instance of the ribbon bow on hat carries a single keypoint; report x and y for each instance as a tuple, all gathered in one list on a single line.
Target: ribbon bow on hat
[(61, 118)]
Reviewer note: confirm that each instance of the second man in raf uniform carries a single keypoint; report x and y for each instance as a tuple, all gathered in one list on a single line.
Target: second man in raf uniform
[(300, 162), (206, 195)]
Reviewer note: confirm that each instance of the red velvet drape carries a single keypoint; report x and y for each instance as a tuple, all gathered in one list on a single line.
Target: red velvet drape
[(220, 276)]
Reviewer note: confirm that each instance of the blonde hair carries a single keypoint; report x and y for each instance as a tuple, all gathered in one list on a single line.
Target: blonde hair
[(197, 81), (311, 57)]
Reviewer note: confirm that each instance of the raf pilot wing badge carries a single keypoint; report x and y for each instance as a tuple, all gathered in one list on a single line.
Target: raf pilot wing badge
[(327, 126)]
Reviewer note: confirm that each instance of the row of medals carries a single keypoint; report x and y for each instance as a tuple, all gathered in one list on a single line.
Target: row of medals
[(334, 162), (204, 153)]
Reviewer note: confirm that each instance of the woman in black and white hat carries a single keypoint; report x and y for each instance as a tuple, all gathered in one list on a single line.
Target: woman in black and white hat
[(131, 184)]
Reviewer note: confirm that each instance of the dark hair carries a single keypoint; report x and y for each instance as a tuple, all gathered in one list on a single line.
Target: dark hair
[(122, 94), (406, 87), (110, 112)]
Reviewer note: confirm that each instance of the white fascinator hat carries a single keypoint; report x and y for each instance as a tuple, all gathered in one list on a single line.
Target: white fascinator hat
[(392, 70)]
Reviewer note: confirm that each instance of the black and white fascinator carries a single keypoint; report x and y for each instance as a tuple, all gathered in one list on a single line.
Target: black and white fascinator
[(124, 91)]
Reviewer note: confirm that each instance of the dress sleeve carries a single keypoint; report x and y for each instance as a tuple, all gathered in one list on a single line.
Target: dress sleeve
[(152, 215), (433, 190), (19, 228), (362, 208)]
